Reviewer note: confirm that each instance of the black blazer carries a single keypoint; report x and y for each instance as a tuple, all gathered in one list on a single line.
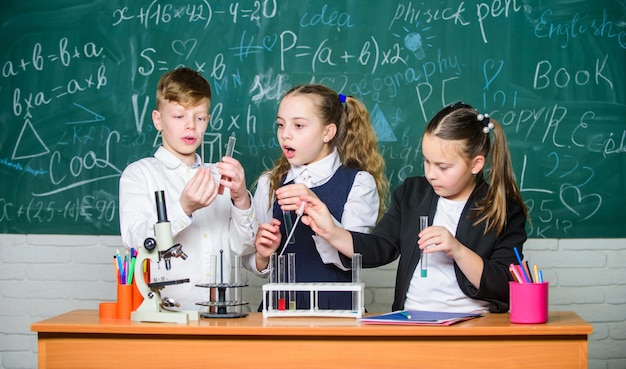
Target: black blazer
[(396, 236)]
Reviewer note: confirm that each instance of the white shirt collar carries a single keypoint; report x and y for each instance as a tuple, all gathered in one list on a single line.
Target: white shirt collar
[(316, 173), (170, 160)]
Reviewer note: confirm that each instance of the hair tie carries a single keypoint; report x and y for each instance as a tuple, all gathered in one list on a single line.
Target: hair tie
[(457, 104), (487, 124), (342, 98)]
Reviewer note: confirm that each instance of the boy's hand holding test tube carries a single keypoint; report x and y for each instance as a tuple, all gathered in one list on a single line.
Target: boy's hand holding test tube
[(230, 149)]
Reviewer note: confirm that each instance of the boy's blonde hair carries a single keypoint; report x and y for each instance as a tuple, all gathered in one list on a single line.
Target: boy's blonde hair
[(184, 86)]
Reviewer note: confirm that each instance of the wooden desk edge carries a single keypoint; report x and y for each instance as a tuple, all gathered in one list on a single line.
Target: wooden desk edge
[(559, 323)]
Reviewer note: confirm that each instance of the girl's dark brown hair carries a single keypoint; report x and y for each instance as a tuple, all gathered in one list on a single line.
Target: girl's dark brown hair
[(460, 122)]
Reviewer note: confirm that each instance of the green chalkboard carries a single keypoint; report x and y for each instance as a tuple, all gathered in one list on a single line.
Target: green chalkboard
[(78, 80)]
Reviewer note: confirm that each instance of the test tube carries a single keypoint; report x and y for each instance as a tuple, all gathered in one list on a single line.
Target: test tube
[(202, 150), (288, 225), (423, 255), (282, 264), (291, 268), (273, 300), (212, 281), (238, 281), (356, 278), (221, 290), (230, 149)]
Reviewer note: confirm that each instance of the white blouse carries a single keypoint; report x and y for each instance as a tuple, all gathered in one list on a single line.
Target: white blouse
[(359, 214)]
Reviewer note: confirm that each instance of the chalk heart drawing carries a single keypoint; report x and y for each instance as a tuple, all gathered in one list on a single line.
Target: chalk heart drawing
[(269, 42), (579, 201), (492, 67), (184, 48)]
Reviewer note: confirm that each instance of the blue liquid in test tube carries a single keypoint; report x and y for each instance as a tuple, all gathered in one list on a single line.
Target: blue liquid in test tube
[(423, 256)]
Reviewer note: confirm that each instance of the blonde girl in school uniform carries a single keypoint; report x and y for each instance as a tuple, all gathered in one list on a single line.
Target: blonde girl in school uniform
[(329, 153)]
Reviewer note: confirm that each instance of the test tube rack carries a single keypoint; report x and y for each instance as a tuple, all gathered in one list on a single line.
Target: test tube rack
[(219, 307), (314, 311)]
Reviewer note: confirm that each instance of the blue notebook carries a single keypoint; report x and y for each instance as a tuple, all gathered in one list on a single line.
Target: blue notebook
[(418, 317)]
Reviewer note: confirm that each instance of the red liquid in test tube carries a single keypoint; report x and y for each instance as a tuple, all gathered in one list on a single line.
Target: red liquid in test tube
[(281, 303), (282, 274)]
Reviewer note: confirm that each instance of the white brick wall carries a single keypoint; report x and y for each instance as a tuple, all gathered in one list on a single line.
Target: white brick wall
[(46, 275)]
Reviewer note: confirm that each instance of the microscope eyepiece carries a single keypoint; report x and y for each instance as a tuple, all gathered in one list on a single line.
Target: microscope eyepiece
[(160, 206)]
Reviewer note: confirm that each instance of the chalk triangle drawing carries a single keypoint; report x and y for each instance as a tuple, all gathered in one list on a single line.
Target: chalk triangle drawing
[(29, 134), (93, 117), (381, 126)]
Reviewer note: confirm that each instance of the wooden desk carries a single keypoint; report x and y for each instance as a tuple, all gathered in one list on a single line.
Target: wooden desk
[(79, 339)]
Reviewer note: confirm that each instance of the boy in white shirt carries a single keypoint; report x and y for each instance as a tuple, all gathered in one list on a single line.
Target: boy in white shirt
[(202, 221)]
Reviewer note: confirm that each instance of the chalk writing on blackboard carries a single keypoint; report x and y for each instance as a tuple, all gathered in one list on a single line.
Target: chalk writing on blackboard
[(77, 92)]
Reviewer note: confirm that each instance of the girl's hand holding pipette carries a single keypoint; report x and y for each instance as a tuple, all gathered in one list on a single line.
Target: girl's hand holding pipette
[(289, 196), (318, 217)]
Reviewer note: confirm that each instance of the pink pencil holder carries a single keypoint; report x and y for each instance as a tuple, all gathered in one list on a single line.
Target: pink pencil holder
[(528, 302)]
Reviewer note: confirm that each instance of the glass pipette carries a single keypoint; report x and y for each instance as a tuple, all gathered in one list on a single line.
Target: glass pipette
[(299, 213)]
